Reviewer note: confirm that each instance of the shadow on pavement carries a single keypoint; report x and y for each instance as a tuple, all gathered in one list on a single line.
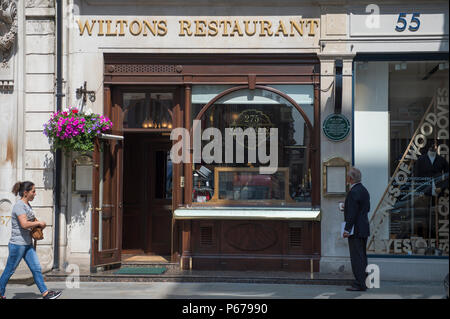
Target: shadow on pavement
[(26, 295)]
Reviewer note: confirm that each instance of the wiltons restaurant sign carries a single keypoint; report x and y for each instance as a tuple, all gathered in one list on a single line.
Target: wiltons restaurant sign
[(243, 27)]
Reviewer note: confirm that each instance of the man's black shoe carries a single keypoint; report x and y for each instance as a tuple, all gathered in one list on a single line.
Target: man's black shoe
[(355, 289)]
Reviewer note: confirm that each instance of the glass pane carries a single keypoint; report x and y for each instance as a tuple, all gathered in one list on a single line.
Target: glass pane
[(168, 176), (410, 214), (163, 187), (251, 186), (415, 215), (147, 110), (254, 109)]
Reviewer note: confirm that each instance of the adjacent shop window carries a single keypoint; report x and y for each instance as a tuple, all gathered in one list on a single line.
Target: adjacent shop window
[(147, 110), (411, 215), (237, 168)]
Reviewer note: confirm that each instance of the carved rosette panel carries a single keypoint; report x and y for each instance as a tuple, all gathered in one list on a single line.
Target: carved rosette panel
[(8, 28), (251, 237), (142, 68)]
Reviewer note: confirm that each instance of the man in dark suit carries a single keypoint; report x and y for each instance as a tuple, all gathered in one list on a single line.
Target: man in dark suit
[(356, 209)]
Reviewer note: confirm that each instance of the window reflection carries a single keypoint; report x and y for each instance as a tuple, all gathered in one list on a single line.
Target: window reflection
[(256, 109), (410, 214), (251, 186), (163, 176)]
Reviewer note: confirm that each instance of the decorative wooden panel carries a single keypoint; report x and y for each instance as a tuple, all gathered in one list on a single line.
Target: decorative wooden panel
[(254, 245), (295, 237), (206, 235), (251, 237), (140, 68)]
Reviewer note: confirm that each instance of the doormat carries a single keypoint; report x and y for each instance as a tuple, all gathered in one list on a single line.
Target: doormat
[(152, 258), (141, 271)]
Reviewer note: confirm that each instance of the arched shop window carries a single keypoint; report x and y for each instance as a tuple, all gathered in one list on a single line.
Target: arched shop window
[(285, 114)]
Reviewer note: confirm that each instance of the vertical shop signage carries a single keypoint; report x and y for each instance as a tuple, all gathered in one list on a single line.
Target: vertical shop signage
[(434, 125)]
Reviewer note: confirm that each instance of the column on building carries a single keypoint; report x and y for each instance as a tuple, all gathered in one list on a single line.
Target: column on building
[(334, 250), (11, 106), (39, 101)]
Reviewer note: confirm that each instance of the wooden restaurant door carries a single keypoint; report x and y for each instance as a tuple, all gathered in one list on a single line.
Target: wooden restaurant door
[(106, 237), (133, 175)]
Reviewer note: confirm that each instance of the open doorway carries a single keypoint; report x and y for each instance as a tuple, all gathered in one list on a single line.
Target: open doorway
[(147, 195)]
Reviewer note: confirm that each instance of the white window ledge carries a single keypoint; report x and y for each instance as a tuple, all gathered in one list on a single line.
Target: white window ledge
[(268, 213)]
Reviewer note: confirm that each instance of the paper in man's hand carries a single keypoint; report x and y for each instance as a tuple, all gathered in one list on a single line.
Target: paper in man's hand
[(343, 229)]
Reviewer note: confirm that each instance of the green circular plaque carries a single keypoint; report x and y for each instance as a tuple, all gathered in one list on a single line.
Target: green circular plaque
[(336, 127)]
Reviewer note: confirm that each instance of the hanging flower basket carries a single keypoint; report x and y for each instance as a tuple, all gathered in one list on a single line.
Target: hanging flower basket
[(71, 130)]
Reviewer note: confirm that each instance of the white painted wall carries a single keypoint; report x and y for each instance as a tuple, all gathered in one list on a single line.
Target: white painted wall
[(371, 145)]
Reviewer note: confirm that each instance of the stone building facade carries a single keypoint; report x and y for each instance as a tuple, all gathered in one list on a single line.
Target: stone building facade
[(27, 76), (350, 32)]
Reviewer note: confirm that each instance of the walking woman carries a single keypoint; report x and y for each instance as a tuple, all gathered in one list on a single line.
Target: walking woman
[(20, 245)]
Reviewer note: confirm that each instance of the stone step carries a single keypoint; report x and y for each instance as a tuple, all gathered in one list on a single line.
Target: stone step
[(151, 264), (176, 275)]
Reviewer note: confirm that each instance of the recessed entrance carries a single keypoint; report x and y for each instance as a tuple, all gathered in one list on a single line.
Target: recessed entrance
[(147, 193)]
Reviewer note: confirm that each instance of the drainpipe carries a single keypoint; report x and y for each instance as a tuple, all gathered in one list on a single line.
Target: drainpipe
[(58, 157)]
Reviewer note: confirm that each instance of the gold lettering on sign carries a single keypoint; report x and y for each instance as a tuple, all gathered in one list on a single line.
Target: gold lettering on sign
[(162, 28), (311, 26), (122, 23), (100, 27), (247, 32), (265, 26), (297, 27), (87, 26), (185, 26), (225, 23), (282, 29), (132, 29), (108, 29), (213, 27), (199, 28), (237, 29), (151, 28)]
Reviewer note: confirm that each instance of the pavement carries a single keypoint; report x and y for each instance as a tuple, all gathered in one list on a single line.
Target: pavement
[(223, 290)]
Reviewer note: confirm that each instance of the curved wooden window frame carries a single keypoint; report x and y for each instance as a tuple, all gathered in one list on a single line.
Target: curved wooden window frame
[(311, 146)]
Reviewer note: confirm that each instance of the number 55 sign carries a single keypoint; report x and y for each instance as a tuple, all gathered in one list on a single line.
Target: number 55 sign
[(413, 24), (394, 20)]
